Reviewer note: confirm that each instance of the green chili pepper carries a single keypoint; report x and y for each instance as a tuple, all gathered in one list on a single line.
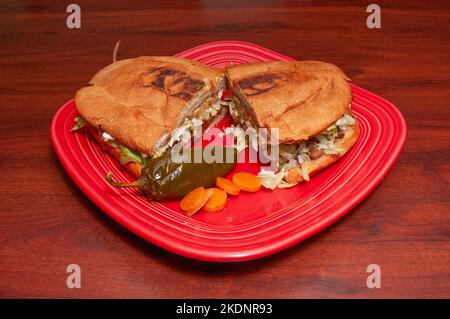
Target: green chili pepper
[(163, 179)]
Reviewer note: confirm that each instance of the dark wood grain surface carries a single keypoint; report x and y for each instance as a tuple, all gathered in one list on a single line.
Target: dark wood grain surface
[(47, 223)]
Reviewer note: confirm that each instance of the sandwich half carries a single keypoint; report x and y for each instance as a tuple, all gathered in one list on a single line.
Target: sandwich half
[(309, 102), (139, 108)]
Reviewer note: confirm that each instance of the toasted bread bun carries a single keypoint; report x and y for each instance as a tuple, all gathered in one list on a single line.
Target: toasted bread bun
[(139, 100), (301, 99), (294, 175)]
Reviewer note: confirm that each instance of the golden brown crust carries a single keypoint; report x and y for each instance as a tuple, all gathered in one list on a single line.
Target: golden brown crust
[(294, 175), (137, 100), (300, 98)]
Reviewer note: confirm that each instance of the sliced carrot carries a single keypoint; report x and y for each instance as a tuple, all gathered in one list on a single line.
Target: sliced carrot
[(217, 200), (247, 182), (193, 201), (227, 186)]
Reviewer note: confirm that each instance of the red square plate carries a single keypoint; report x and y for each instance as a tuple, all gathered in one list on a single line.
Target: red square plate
[(252, 225)]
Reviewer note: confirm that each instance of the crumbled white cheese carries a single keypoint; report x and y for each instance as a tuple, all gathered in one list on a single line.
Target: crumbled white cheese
[(106, 137)]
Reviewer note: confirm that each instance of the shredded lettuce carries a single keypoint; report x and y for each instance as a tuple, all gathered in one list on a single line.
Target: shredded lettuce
[(303, 157), (272, 180), (333, 149), (79, 123), (292, 155), (327, 145), (345, 120), (330, 132), (269, 179), (305, 173), (332, 129), (303, 153), (127, 156)]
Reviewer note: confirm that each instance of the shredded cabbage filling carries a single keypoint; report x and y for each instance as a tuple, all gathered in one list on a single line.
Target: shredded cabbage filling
[(202, 115), (300, 154)]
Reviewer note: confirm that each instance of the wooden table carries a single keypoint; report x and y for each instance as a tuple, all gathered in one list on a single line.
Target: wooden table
[(47, 223)]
